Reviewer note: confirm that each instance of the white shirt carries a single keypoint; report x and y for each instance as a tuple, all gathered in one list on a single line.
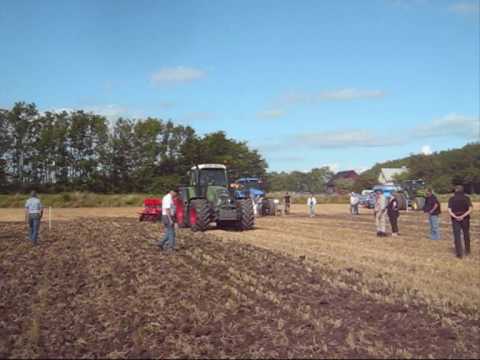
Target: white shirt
[(353, 200), (33, 205), (167, 203), (312, 201)]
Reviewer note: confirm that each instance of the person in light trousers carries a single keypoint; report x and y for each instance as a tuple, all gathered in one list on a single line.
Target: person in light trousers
[(432, 208), (311, 202), (33, 216), (168, 216)]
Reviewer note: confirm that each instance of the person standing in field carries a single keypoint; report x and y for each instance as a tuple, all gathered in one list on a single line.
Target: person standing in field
[(354, 201), (432, 208), (287, 202), (33, 216), (379, 212), (311, 203), (168, 214), (459, 207), (393, 214)]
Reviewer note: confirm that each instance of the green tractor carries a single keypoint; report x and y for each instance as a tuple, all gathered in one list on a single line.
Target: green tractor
[(415, 191), (208, 200)]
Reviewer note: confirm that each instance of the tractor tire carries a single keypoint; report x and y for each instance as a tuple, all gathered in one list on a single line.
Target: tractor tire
[(185, 223), (266, 209), (419, 203), (199, 215), (402, 201), (273, 208), (247, 220)]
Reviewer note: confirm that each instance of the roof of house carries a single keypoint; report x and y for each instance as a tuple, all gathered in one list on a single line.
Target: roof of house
[(388, 174), (347, 174)]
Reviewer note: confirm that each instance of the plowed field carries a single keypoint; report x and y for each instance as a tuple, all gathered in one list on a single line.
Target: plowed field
[(293, 287)]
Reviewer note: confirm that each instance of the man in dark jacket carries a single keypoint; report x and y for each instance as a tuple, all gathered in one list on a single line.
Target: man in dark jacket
[(432, 208), (460, 207), (393, 214)]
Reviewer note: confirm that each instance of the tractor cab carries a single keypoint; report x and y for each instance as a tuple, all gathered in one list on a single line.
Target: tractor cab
[(208, 199), (249, 187), (209, 175)]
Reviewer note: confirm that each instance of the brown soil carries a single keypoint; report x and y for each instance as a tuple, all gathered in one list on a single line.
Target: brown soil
[(100, 288)]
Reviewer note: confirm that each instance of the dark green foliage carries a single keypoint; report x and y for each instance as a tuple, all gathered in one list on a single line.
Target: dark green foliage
[(440, 170), (297, 181), (67, 151)]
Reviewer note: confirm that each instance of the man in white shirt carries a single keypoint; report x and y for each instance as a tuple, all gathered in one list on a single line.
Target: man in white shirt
[(168, 216), (354, 200), (311, 202), (380, 212), (33, 215)]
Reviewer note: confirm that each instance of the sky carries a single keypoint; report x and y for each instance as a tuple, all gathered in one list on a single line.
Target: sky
[(308, 83)]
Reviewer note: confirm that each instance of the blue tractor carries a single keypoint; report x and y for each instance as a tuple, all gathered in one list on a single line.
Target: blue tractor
[(253, 188)]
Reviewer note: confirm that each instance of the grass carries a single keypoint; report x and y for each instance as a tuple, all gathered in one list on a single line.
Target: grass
[(87, 199), (77, 199)]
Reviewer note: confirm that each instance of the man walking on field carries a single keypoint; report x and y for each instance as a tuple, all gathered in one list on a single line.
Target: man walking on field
[(460, 207), (33, 216), (168, 213), (432, 208), (380, 212), (311, 202)]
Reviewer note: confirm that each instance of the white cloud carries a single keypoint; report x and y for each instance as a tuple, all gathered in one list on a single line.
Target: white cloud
[(195, 117), (351, 94), (452, 125), (342, 139), (426, 150), (177, 75), (466, 8), (111, 111), (271, 114), (347, 94)]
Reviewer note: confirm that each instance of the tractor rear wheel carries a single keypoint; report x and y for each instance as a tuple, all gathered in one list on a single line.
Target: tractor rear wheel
[(419, 203), (402, 201), (247, 219), (199, 215)]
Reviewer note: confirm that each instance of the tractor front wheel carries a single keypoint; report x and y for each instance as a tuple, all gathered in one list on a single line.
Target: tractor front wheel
[(199, 215), (247, 219)]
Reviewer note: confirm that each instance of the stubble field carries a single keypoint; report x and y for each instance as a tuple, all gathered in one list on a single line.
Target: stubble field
[(293, 287)]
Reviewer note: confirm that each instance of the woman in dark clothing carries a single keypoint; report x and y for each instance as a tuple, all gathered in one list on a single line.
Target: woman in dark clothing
[(393, 214)]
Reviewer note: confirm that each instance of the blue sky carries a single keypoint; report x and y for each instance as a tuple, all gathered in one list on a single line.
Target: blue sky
[(307, 83)]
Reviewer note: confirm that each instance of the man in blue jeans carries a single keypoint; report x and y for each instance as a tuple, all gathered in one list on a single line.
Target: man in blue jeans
[(168, 215), (33, 216), (432, 208)]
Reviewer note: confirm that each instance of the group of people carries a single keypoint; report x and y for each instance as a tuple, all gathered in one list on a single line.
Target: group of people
[(459, 208)]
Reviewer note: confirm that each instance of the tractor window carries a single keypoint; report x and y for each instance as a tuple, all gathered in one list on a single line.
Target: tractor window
[(215, 177), (252, 184)]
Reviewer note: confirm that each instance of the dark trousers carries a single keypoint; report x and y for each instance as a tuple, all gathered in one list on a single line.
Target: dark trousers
[(393, 222), (458, 227)]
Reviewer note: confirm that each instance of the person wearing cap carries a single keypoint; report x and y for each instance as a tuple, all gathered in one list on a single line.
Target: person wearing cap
[(379, 212), (460, 207), (168, 220), (432, 208), (354, 200), (33, 216)]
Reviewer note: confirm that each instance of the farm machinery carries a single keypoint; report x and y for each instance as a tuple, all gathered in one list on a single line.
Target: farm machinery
[(409, 193), (207, 199), (253, 188)]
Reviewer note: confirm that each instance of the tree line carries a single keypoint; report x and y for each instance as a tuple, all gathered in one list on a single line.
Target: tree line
[(440, 170), (82, 151)]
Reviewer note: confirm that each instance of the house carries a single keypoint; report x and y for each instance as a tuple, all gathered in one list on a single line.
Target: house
[(344, 175), (387, 175)]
